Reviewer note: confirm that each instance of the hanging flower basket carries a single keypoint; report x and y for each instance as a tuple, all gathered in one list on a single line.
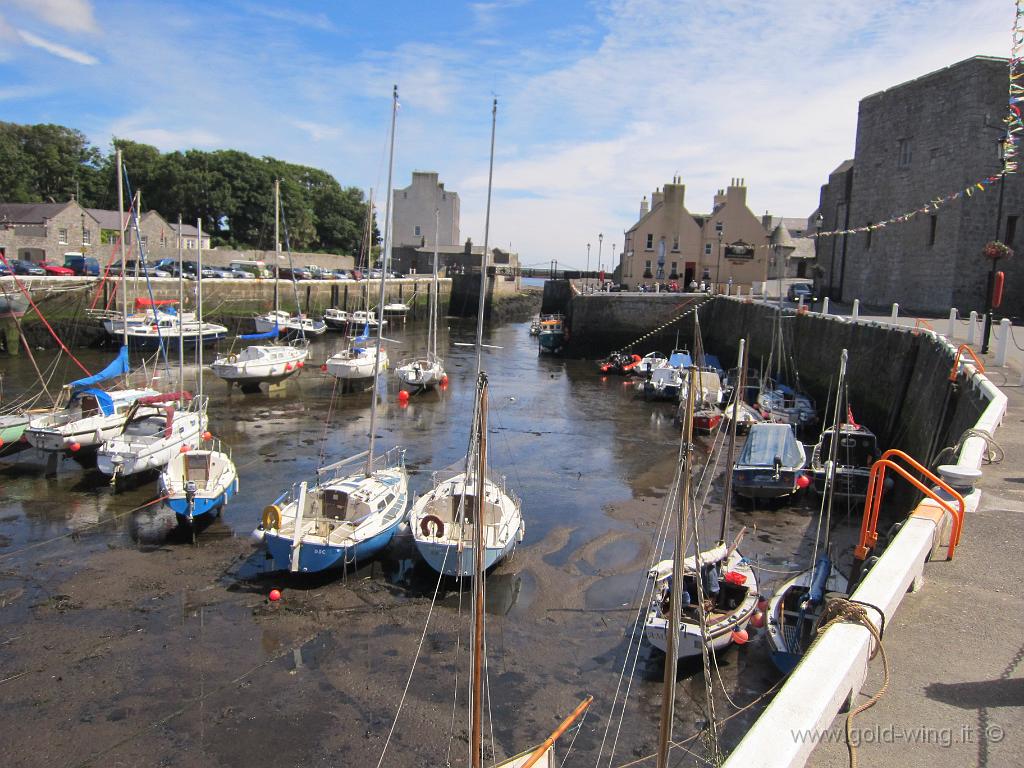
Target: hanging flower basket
[(997, 250)]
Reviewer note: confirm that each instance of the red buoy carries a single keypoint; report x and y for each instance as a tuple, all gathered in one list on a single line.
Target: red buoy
[(75, 447), (1, 442), (444, 380), (300, 364), (740, 636), (323, 368), (207, 435), (403, 396), (275, 595), (802, 481), (287, 366), (757, 619), (183, 449)]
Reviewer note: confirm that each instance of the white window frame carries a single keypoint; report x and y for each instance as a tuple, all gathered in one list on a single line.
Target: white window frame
[(62, 236)]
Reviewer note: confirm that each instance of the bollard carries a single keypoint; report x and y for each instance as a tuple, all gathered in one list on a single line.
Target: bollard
[(952, 324), (895, 312), (1004, 342), (800, 304), (856, 308), (824, 306), (971, 325)]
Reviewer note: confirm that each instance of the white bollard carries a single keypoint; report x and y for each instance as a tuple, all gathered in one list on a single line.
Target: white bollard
[(856, 308), (952, 324), (895, 312), (971, 325), (824, 306), (1003, 345), (800, 304)]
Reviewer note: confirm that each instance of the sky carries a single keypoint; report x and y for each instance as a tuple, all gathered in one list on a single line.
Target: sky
[(599, 101)]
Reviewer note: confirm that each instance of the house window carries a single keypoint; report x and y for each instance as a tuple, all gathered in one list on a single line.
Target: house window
[(867, 244), (62, 235), (675, 243), (144, 240), (650, 242), (86, 237), (163, 238), (718, 227), (933, 221), (417, 232), (647, 265), (905, 153), (707, 249), (1011, 230)]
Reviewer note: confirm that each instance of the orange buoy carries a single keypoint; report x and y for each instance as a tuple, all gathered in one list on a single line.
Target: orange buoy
[(444, 380), (757, 619), (740, 636), (207, 435), (275, 595), (802, 481), (183, 449), (1, 442), (75, 447)]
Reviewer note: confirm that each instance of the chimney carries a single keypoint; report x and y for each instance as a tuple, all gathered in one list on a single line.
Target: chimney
[(644, 207), (737, 192), (766, 221), (719, 198), (657, 198)]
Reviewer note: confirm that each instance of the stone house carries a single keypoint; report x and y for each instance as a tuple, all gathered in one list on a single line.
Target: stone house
[(413, 208), (189, 236), (918, 142), (154, 232), (46, 231), (670, 244)]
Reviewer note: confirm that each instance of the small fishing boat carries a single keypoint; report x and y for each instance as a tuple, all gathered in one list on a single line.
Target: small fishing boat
[(286, 323), (336, 319), (270, 363), (535, 326), (856, 451), (199, 483), (663, 383), (747, 415), (649, 362), (360, 362), (785, 405), (552, 333), (397, 309), (155, 431), (771, 463), (362, 318), (707, 419)]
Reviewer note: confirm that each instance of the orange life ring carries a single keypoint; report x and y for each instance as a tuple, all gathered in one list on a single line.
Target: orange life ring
[(438, 525)]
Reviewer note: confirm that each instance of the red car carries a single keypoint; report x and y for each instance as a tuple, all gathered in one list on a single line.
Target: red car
[(55, 269)]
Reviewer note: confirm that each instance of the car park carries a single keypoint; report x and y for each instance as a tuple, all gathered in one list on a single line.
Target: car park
[(82, 265), (242, 274), (294, 273), (4, 269)]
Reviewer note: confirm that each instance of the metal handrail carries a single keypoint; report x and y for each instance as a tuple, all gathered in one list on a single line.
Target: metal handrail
[(876, 489), (956, 361)]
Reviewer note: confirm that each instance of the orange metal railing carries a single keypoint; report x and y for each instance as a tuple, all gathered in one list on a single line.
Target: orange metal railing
[(876, 487), (956, 361), (920, 323)]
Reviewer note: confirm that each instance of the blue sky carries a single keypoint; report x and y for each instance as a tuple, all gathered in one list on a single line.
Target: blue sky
[(600, 101)]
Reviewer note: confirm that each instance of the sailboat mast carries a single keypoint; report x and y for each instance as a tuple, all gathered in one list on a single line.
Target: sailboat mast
[(833, 454), (668, 696), (383, 277), (277, 246), (124, 228), (432, 330), (741, 383), (483, 258), (181, 309), (199, 307), (477, 689)]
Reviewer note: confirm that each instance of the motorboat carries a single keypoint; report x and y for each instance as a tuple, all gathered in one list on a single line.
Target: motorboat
[(288, 323), (771, 464), (663, 383), (336, 319), (649, 362), (619, 363), (199, 483), (746, 415), (856, 451), (552, 333), (261, 362), (359, 361), (90, 418), (786, 405)]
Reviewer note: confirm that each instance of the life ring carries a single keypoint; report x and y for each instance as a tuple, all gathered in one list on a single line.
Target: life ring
[(438, 526), (271, 517), (232, 359)]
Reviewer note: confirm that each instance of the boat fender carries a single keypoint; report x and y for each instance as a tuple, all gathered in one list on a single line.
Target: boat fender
[(232, 359), (271, 517), (427, 521)]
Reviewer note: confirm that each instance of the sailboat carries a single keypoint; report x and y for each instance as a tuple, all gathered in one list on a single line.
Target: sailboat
[(198, 482), (265, 362), (717, 594), (470, 515), (340, 519), (781, 402), (427, 371), (795, 608)]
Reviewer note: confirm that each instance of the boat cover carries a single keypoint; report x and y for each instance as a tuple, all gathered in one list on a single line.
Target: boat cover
[(712, 362), (105, 401), (680, 359), (167, 397), (768, 441), (141, 303), (118, 367), (273, 333)]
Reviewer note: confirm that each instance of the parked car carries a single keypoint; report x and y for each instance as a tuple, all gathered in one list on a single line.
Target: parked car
[(189, 269), (296, 273), (242, 274), (219, 272), (4, 269), (55, 269), (82, 265), (317, 273), (803, 291), (22, 267), (337, 274)]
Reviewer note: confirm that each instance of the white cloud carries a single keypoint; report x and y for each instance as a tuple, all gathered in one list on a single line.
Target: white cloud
[(62, 51), (69, 15), (289, 16), (317, 131)]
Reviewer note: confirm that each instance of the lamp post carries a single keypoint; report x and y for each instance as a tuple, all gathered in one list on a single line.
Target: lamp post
[(782, 246), (600, 242), (992, 272), (718, 267), (588, 268)]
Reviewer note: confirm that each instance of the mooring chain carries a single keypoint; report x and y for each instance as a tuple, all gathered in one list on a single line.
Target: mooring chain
[(664, 326)]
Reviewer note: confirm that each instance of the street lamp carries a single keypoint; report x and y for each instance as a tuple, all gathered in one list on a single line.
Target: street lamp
[(588, 268), (992, 272), (600, 242), (782, 246), (718, 268)]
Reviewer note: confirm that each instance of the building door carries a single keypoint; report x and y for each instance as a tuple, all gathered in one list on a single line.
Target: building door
[(689, 274)]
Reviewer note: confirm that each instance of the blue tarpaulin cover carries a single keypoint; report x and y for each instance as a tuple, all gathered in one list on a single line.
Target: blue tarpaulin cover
[(118, 367), (271, 334), (105, 401), (680, 360)]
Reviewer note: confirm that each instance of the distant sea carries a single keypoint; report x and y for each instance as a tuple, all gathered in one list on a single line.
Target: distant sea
[(533, 282)]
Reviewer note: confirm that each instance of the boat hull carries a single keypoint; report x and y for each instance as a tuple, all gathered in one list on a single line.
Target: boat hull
[(551, 341), (314, 558), (762, 484), (203, 507), (447, 560)]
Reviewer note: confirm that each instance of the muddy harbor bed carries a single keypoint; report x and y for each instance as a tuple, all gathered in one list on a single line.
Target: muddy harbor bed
[(122, 643)]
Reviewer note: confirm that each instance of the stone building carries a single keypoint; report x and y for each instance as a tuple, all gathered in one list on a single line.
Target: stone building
[(917, 142), (413, 210), (670, 244), (453, 259), (189, 235), (154, 231), (46, 231)]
